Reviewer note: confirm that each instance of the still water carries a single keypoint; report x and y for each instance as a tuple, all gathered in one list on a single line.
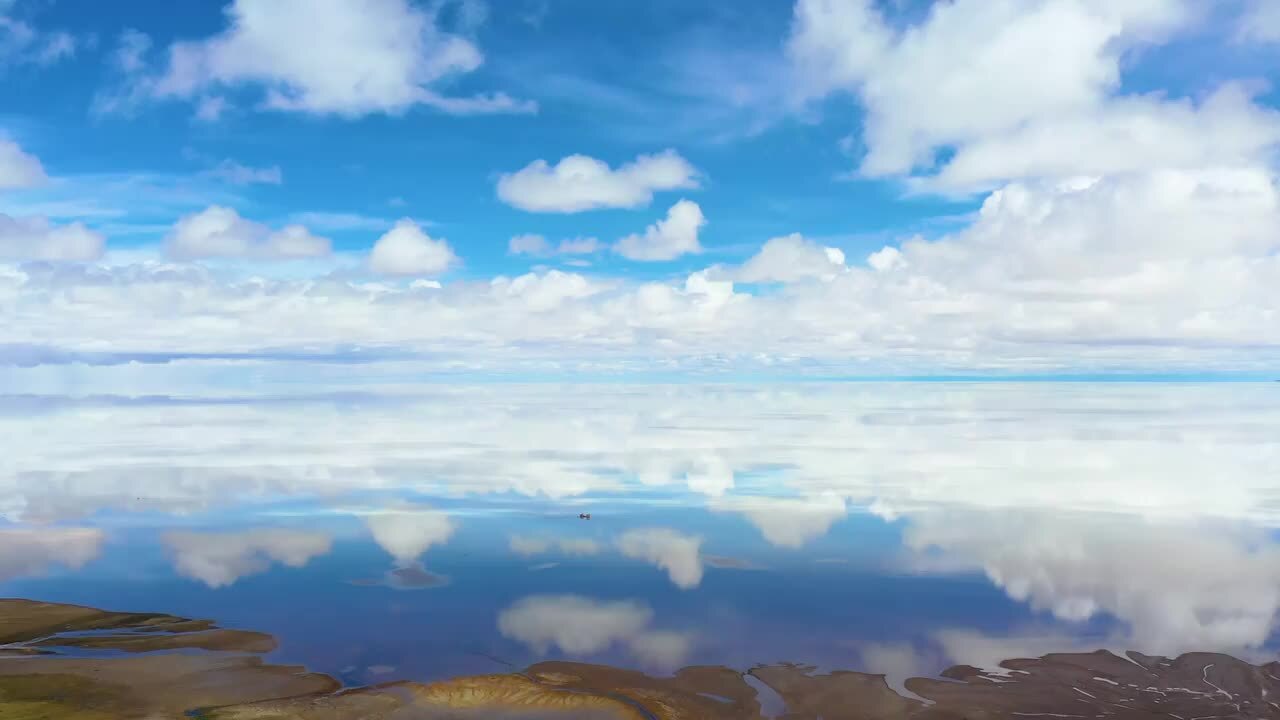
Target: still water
[(898, 529)]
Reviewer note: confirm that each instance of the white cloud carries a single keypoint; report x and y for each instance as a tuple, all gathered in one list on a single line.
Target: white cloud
[(18, 169), (1127, 135), (661, 649), (35, 238), (341, 221), (219, 231), (406, 250), (666, 239), (537, 246), (57, 46), (131, 50), (22, 44), (237, 174), (1159, 270), (573, 624), (407, 531), (528, 546), (960, 467), (218, 559), (897, 450), (381, 56), (787, 522), (709, 475), (580, 626), (1178, 586), (579, 182), (542, 293), (1017, 90), (578, 546), (31, 551), (1260, 22), (789, 259), (673, 551), (210, 109), (578, 246)]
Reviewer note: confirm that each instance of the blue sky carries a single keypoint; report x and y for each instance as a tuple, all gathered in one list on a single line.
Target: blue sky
[(574, 59), (239, 143)]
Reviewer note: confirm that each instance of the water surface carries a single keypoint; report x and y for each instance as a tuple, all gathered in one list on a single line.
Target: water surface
[(890, 528)]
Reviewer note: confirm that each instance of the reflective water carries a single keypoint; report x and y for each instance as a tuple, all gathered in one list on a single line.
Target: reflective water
[(892, 528)]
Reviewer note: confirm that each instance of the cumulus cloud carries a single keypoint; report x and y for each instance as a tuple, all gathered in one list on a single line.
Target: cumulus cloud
[(581, 626), (1127, 135), (1017, 90), (407, 531), (407, 250), (545, 292), (32, 551), (230, 171), (668, 549), (538, 246), (1169, 269), (579, 182), (382, 56), (791, 258), (220, 232), (1176, 254), (218, 559), (18, 169), (666, 239), (1137, 232), (36, 238)]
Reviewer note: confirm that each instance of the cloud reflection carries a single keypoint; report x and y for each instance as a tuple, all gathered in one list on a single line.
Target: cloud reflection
[(582, 626), (1154, 504), (31, 551), (668, 549), (406, 531), (219, 559), (530, 546), (1178, 586), (1144, 449), (788, 522)]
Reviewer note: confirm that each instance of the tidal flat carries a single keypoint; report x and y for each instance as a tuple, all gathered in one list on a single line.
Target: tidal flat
[(228, 680)]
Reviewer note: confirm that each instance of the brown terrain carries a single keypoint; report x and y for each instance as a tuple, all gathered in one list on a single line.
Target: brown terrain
[(41, 678)]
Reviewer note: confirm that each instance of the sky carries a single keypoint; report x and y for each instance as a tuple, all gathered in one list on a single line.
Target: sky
[(562, 186)]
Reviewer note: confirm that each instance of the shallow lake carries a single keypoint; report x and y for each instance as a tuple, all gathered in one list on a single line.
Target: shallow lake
[(894, 528)]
